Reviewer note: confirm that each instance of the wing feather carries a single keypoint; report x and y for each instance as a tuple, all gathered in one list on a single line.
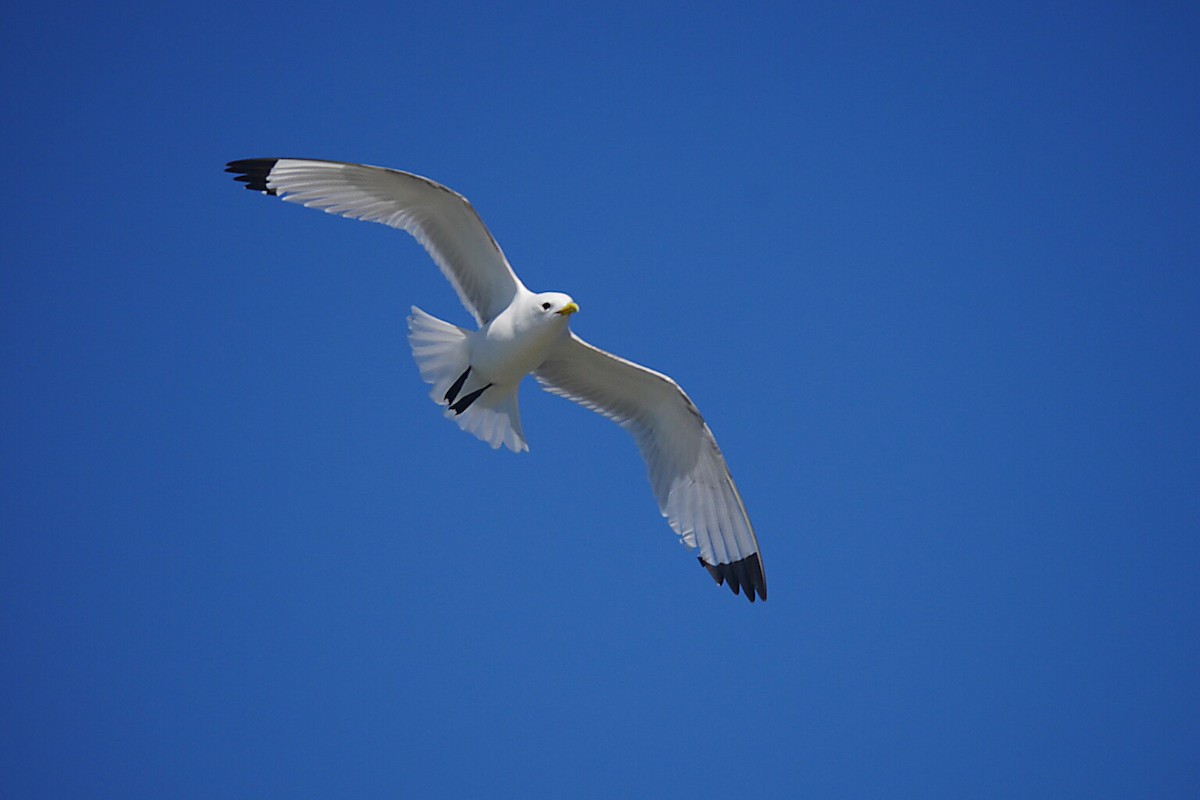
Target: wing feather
[(687, 472), (440, 219)]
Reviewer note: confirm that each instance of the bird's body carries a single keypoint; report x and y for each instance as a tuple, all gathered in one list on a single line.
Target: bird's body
[(516, 342), (475, 375)]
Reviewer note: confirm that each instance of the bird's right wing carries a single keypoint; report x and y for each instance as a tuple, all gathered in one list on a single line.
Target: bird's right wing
[(687, 471), (440, 219)]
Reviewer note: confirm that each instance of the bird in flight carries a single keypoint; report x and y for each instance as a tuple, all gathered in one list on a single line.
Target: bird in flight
[(475, 374)]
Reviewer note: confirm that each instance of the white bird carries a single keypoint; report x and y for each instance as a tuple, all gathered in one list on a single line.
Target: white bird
[(476, 374)]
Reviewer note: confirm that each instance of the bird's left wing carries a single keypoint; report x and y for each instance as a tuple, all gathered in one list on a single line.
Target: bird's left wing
[(440, 219), (687, 471)]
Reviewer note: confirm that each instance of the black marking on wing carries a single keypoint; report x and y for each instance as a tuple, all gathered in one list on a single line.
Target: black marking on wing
[(253, 172), (453, 391), (465, 403), (745, 574)]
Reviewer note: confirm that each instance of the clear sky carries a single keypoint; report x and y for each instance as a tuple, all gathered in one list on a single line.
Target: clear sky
[(931, 272)]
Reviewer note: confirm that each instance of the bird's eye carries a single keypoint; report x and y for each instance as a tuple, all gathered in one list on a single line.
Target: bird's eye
[(545, 306)]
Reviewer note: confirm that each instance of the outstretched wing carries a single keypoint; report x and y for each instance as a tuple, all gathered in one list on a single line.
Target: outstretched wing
[(440, 219), (687, 471)]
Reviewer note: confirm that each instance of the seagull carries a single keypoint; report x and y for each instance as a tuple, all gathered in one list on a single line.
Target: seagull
[(475, 374)]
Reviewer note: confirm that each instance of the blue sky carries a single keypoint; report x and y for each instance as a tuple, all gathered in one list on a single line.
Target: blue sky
[(930, 272)]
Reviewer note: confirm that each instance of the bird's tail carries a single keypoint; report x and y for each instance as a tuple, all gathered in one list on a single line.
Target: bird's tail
[(442, 353)]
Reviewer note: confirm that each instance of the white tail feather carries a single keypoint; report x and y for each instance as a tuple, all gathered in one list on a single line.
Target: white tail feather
[(494, 418), (442, 353)]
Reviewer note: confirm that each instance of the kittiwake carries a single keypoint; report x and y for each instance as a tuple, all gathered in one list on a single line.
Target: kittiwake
[(475, 374)]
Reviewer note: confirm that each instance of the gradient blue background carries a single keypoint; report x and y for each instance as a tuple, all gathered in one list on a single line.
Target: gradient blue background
[(930, 272)]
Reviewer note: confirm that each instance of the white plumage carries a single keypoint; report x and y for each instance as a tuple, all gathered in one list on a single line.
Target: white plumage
[(476, 374)]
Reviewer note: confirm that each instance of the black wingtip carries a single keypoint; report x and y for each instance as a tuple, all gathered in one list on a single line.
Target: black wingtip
[(744, 574), (253, 172)]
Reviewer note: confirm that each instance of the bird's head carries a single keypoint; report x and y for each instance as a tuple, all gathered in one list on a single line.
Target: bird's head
[(555, 305)]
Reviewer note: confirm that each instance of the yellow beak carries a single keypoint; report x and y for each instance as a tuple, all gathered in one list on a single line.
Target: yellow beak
[(567, 310)]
